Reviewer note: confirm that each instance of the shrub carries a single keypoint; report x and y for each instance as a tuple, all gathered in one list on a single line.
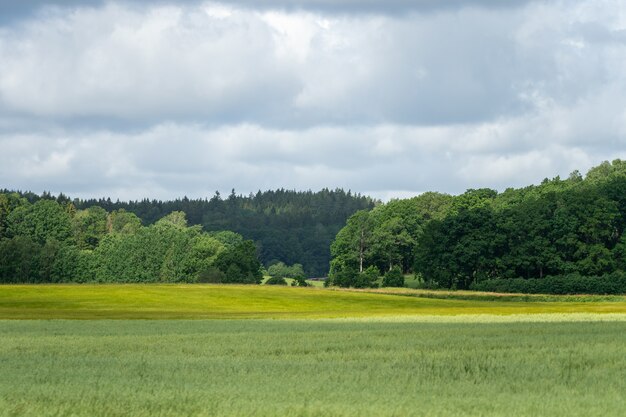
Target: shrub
[(276, 281), (393, 278), (614, 283), (211, 275)]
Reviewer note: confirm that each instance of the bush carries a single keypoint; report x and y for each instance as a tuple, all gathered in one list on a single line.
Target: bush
[(614, 283), (299, 281), (276, 281), (394, 278), (368, 278), (211, 276)]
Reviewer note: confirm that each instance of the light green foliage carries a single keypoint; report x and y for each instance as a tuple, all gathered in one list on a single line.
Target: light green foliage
[(473, 199), (350, 368), (280, 270), (124, 222), (352, 245), (386, 236), (46, 219), (166, 252), (229, 239), (51, 244), (8, 203), (176, 218), (600, 173)]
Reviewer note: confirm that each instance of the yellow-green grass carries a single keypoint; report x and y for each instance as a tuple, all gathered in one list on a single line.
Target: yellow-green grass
[(314, 368), (196, 301)]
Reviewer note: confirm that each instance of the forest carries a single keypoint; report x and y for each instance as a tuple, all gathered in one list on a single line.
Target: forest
[(561, 236), (53, 242), (47, 238), (287, 226)]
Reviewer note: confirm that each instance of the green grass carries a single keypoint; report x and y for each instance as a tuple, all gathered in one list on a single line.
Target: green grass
[(312, 368), (226, 301)]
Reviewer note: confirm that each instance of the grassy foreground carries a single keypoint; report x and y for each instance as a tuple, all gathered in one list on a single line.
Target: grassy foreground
[(226, 301), (311, 368)]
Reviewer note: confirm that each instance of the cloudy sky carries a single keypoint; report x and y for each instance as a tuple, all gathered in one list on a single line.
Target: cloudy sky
[(133, 99)]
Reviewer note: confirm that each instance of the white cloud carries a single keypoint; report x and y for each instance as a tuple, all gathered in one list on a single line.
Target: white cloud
[(142, 100)]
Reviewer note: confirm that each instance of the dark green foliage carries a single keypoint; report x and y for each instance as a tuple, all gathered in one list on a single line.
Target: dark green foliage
[(393, 278), (19, 260), (289, 226), (350, 277), (614, 283), (211, 275), (369, 277), (276, 281), (299, 281), (345, 277), (240, 264), (557, 228)]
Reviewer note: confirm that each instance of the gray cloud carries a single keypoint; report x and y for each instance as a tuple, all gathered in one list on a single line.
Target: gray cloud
[(221, 65), (133, 100), (11, 10)]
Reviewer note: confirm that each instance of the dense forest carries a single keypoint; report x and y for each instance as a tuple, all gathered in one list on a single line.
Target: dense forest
[(562, 236), (286, 226)]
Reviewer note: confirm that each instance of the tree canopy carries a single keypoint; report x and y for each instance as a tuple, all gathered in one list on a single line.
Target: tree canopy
[(557, 228)]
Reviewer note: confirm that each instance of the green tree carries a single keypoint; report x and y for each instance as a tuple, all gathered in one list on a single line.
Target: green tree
[(240, 264), (19, 260), (352, 246), (124, 222), (393, 278), (89, 226), (44, 220)]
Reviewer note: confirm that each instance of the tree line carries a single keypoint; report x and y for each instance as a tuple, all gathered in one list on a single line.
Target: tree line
[(528, 239), (287, 226), (51, 241)]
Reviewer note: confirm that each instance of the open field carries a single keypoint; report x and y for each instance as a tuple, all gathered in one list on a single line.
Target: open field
[(231, 301), (311, 368)]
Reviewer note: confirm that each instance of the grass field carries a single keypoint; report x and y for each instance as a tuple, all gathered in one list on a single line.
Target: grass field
[(391, 352), (226, 301), (311, 368)]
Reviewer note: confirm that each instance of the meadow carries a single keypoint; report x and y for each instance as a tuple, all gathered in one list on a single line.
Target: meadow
[(194, 301), (346, 367), (149, 350)]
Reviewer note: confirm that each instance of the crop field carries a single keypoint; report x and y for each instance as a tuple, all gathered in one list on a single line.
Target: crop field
[(312, 368), (306, 352), (239, 301)]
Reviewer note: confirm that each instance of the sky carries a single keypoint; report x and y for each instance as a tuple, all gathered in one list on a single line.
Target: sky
[(164, 99)]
